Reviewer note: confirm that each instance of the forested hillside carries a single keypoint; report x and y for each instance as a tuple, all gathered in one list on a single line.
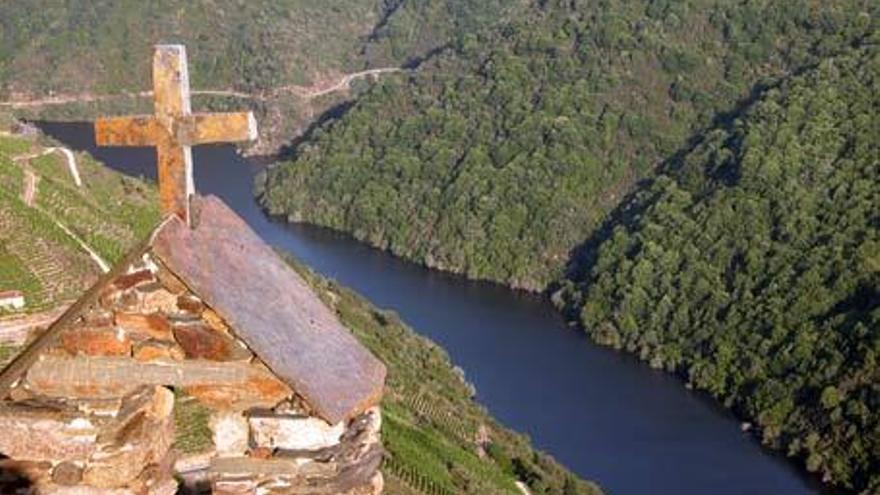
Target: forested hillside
[(106, 46), (504, 152), (753, 267), (263, 54)]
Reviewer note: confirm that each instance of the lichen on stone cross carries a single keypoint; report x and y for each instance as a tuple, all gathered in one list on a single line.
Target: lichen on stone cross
[(174, 129)]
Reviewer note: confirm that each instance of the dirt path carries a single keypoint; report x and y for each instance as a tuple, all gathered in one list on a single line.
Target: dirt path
[(68, 155), (309, 92), (30, 187), (103, 265), (71, 163), (30, 192), (304, 92)]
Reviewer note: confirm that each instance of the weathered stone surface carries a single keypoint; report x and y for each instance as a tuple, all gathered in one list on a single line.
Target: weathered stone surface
[(375, 486), (372, 419), (41, 434), (260, 453), (201, 342), (294, 477), (170, 281), (125, 300), (229, 385), (234, 487), (153, 350), (20, 393), (194, 462), (257, 392), (158, 300), (158, 479), (54, 489), (141, 442), (272, 309), (152, 325), (100, 408), (230, 433), (246, 467), (97, 318), (190, 304), (294, 432), (67, 474), (96, 342), (215, 321), (129, 280), (166, 486)]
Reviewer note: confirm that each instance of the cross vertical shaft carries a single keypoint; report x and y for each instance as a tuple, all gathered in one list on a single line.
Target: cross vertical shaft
[(172, 103), (174, 129)]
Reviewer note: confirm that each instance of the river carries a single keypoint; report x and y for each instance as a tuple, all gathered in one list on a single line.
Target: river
[(604, 414)]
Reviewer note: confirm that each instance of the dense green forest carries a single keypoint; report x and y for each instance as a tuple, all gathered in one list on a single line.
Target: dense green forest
[(106, 46), (260, 48), (699, 179), (509, 148), (752, 266)]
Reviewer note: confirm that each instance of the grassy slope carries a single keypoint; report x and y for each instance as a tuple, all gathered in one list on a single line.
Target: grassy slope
[(501, 156), (109, 213), (431, 423), (752, 267)]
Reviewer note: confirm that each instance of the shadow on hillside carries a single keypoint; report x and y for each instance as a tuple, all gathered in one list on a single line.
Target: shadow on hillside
[(583, 257), (287, 151)]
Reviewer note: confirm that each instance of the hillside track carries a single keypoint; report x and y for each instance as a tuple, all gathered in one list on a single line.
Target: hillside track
[(302, 92)]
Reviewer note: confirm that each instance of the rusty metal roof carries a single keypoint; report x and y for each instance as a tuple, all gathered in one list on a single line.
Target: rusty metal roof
[(271, 308)]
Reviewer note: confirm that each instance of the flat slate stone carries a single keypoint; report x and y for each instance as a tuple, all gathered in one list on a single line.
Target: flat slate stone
[(271, 308)]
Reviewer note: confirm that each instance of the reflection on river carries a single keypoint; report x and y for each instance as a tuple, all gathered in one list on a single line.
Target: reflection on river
[(604, 414)]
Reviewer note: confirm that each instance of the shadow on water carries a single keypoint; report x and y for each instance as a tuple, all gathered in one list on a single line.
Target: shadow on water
[(288, 150), (603, 414)]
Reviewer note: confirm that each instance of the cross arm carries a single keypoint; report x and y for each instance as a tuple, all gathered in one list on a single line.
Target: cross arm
[(139, 130), (204, 128)]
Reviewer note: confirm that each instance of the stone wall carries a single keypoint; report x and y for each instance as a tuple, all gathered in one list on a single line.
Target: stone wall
[(100, 398)]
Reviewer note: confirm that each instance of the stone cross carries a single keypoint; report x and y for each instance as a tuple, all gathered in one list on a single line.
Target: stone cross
[(174, 129)]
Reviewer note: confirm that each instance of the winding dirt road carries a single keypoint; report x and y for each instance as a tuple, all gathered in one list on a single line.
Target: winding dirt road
[(30, 192), (304, 92)]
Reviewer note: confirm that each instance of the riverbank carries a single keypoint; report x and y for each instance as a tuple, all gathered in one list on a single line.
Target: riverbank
[(603, 414)]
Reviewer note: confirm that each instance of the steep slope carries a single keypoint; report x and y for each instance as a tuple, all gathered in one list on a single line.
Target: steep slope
[(258, 53), (753, 268), (45, 219), (501, 155), (438, 439), (106, 46)]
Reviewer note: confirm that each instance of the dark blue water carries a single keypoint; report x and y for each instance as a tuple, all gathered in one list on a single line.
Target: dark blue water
[(607, 416)]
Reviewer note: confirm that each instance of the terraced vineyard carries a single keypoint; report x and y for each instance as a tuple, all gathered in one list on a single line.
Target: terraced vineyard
[(109, 213), (440, 441)]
